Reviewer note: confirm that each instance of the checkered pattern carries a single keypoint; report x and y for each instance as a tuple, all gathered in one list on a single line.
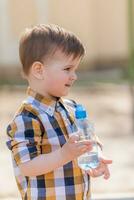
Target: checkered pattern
[(41, 126)]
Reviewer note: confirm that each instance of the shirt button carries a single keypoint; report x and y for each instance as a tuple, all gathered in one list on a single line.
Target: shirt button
[(50, 110)]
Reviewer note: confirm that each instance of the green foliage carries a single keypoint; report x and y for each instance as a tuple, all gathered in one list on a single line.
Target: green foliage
[(130, 72)]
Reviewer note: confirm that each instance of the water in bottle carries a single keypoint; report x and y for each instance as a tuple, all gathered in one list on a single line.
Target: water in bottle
[(90, 159)]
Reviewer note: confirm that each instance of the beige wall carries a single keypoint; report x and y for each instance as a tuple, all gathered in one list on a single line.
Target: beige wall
[(15, 16), (111, 25), (76, 16), (21, 16), (100, 24)]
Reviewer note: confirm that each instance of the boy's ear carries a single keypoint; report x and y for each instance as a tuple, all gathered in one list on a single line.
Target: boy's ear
[(37, 70)]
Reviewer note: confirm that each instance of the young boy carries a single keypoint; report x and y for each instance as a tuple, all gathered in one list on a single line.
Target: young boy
[(41, 136)]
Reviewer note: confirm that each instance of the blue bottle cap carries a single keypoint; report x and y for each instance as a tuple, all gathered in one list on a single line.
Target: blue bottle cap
[(80, 112)]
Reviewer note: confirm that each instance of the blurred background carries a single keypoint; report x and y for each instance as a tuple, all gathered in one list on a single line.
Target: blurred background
[(105, 82)]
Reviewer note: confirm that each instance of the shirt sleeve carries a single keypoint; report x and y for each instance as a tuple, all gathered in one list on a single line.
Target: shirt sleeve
[(24, 141)]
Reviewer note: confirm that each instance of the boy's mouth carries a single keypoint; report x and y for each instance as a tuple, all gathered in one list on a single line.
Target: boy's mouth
[(68, 85)]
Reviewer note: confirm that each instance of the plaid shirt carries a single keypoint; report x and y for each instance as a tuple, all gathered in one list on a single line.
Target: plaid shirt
[(41, 126)]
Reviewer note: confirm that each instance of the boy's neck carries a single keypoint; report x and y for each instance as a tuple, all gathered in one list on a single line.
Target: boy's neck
[(42, 93)]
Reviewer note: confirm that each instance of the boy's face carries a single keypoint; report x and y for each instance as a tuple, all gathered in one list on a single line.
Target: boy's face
[(59, 74)]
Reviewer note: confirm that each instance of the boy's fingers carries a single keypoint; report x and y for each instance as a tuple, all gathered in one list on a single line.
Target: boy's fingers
[(84, 149), (94, 173), (106, 173), (90, 172), (74, 138), (86, 142), (106, 161)]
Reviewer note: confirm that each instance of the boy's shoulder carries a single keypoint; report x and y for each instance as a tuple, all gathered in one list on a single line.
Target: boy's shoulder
[(26, 109), (25, 116), (25, 112)]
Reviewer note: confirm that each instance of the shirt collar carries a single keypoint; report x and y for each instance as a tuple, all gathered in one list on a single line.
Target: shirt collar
[(44, 103)]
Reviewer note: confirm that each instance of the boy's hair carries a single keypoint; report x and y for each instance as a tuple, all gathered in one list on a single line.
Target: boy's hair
[(41, 42)]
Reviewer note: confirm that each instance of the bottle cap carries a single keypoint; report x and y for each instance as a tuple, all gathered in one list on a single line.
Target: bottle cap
[(80, 112)]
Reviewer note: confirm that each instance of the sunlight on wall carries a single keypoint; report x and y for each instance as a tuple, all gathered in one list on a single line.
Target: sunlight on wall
[(26, 10)]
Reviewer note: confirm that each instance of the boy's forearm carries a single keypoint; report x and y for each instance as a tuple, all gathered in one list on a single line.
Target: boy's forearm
[(44, 163)]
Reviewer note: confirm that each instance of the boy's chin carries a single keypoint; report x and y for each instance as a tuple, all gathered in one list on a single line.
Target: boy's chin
[(62, 94), (65, 94)]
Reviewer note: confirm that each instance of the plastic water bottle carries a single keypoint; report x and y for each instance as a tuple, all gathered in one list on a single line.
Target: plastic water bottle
[(90, 159)]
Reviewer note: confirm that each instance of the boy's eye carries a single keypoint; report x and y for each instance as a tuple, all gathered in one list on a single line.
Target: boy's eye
[(67, 69)]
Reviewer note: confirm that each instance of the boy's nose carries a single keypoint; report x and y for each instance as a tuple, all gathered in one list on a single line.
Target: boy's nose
[(74, 77)]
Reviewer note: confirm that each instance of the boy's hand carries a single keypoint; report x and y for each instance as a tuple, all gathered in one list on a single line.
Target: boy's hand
[(102, 169), (74, 148)]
